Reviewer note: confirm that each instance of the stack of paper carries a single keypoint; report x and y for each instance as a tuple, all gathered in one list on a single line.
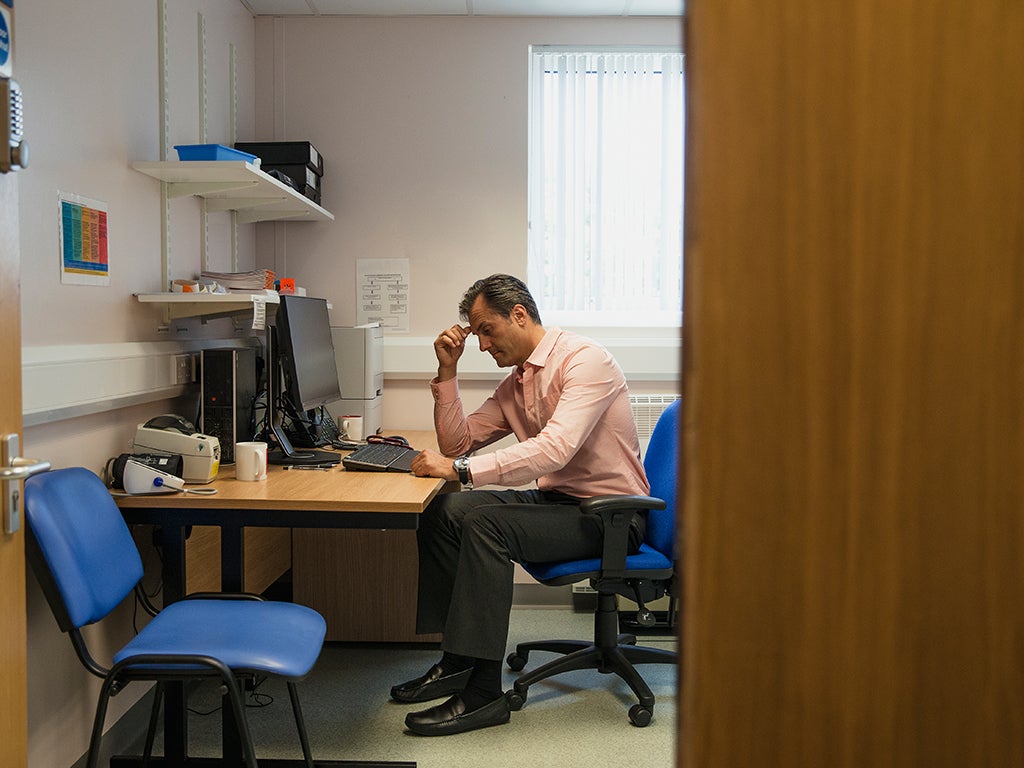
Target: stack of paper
[(255, 280)]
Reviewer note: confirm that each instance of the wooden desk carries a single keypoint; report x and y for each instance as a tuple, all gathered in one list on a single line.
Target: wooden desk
[(330, 498), (363, 582), (287, 499)]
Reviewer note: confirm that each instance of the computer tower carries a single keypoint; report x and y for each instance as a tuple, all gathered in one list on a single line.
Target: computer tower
[(227, 397)]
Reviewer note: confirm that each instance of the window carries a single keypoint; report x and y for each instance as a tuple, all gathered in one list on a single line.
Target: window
[(606, 185)]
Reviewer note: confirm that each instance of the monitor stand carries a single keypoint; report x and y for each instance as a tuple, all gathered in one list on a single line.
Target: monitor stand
[(285, 453), (308, 432)]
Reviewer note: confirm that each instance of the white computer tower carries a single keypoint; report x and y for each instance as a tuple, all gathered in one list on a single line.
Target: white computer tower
[(359, 353)]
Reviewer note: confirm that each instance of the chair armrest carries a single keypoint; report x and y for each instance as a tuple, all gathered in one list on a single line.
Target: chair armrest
[(617, 513)]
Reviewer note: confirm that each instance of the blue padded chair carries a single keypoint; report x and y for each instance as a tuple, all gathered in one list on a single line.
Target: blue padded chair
[(86, 561), (647, 575)]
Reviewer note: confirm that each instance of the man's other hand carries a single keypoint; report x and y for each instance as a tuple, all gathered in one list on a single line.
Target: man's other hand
[(448, 347), (430, 463)]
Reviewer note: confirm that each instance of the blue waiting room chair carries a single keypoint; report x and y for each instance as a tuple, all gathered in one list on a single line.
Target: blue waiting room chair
[(87, 563), (647, 575)]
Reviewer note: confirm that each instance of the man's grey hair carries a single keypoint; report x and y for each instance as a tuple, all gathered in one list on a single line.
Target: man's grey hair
[(501, 293)]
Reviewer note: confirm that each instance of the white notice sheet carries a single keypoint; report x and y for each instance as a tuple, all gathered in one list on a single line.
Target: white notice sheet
[(382, 293)]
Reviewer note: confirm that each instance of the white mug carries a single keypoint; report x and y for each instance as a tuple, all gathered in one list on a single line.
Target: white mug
[(251, 461), (353, 427)]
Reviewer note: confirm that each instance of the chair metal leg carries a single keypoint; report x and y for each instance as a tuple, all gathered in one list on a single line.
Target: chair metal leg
[(154, 715), (92, 761), (300, 723), (242, 725)]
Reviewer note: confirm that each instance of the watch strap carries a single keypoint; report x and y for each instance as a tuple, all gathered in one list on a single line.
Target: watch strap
[(461, 466)]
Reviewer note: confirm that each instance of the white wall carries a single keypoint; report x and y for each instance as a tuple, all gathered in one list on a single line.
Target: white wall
[(422, 123), (90, 78)]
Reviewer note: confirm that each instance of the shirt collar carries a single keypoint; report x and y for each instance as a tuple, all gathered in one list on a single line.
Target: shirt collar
[(542, 351)]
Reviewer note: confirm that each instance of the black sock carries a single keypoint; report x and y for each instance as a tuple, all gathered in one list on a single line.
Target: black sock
[(452, 663), (484, 684)]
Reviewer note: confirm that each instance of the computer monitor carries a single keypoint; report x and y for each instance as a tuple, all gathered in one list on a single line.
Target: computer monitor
[(305, 354)]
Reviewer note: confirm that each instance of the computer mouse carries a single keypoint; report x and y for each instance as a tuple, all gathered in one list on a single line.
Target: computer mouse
[(172, 421)]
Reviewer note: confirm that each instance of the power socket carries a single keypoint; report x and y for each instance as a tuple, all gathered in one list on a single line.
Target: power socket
[(183, 369)]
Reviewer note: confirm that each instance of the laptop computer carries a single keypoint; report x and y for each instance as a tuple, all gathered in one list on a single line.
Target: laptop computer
[(286, 454), (380, 457)]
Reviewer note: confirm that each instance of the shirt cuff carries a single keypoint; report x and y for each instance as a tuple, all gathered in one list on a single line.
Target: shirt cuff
[(483, 469), (444, 392)]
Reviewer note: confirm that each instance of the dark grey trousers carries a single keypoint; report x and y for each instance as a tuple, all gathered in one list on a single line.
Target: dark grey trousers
[(468, 542)]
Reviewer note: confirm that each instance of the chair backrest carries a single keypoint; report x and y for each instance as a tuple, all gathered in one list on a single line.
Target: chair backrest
[(80, 546), (661, 462)]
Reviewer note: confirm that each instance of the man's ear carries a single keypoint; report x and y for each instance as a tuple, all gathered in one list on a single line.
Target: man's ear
[(520, 315)]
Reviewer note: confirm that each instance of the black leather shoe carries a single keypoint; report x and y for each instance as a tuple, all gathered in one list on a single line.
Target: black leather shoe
[(452, 717), (432, 685)]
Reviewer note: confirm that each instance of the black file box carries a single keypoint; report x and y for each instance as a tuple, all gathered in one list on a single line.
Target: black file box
[(285, 153), (302, 175)]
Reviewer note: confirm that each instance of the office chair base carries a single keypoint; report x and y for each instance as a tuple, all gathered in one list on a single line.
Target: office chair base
[(609, 653), (619, 659)]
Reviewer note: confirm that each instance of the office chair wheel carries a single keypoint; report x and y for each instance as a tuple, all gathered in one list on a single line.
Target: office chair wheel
[(640, 716), (515, 700), (516, 662)]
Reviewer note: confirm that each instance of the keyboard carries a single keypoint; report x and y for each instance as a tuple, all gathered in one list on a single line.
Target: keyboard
[(380, 457)]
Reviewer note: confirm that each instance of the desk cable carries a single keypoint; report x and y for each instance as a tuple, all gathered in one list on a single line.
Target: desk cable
[(195, 491)]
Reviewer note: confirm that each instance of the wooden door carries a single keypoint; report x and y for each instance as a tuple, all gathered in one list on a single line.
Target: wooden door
[(854, 379), (13, 686)]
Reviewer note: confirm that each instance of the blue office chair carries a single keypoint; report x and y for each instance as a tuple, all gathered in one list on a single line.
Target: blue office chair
[(86, 561), (645, 576)]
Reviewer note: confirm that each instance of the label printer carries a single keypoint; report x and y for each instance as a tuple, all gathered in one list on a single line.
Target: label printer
[(171, 434)]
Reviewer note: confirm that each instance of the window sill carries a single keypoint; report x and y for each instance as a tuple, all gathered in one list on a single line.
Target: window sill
[(643, 358)]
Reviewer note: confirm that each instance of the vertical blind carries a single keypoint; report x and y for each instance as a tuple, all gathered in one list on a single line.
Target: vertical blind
[(606, 185)]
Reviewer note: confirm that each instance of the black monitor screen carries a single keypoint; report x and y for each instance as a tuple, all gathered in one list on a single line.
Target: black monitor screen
[(305, 352)]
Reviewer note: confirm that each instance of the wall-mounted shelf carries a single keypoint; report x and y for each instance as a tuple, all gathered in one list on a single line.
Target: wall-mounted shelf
[(210, 304), (235, 185)]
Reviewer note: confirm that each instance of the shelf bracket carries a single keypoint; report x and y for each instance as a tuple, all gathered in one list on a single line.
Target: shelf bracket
[(241, 203), (253, 215), (201, 188)]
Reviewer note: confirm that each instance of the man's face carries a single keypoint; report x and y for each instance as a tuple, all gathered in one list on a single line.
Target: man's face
[(499, 335)]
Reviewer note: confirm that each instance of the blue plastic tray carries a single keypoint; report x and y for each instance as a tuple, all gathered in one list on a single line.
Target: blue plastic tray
[(212, 152)]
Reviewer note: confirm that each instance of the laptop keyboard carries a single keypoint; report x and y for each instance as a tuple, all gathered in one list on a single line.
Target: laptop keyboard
[(375, 456)]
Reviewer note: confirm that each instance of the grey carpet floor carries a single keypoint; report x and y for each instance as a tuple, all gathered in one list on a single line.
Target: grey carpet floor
[(576, 720)]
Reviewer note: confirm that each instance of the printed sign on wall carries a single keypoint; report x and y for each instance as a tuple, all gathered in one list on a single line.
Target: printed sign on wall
[(83, 240)]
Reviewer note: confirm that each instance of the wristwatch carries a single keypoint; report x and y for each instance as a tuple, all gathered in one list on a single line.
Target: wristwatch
[(461, 465)]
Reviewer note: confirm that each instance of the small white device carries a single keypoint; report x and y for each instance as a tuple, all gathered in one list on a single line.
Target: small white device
[(142, 478), (172, 435)]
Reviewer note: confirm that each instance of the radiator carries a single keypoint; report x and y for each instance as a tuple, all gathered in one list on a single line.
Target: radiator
[(646, 410)]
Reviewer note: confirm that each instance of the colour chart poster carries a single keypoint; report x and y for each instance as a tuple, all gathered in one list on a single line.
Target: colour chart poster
[(83, 240)]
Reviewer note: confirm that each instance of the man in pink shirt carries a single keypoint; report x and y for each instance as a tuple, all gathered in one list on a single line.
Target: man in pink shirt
[(567, 403)]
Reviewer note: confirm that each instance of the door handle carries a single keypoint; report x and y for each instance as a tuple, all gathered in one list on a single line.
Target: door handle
[(14, 470)]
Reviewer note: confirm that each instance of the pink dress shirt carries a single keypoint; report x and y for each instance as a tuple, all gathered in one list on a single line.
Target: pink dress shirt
[(568, 406)]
